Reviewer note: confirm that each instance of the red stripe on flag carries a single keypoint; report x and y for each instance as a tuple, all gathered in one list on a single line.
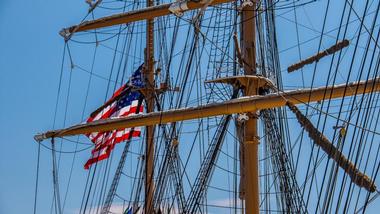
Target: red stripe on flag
[(118, 92), (126, 136), (94, 160)]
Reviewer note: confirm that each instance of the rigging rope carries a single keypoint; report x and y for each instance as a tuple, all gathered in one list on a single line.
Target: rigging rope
[(281, 164), (37, 176)]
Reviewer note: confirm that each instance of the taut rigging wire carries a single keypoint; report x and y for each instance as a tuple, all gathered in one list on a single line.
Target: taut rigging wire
[(37, 179)]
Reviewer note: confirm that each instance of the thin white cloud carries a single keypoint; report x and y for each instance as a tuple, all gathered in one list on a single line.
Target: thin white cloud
[(115, 208)]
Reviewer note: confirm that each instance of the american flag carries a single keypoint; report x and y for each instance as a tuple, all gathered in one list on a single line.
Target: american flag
[(126, 101)]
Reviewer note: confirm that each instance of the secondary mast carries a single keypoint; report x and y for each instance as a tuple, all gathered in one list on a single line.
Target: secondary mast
[(150, 103)]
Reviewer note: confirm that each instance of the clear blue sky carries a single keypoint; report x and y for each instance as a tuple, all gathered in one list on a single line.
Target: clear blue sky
[(30, 57)]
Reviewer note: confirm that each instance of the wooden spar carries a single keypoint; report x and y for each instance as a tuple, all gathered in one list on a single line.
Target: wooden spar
[(337, 47), (240, 105), (356, 176), (136, 15)]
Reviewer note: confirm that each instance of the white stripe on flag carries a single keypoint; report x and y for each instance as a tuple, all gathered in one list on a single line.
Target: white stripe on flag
[(104, 111)]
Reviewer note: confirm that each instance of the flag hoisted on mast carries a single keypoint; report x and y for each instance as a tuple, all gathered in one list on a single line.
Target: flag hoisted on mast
[(126, 101)]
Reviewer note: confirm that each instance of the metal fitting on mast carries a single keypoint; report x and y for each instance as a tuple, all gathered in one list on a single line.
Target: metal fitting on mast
[(177, 8)]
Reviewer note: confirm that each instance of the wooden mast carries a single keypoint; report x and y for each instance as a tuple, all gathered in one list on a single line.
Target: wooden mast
[(150, 103), (250, 178)]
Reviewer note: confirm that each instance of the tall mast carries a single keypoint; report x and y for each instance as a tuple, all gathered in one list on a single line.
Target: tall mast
[(250, 168), (150, 102)]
